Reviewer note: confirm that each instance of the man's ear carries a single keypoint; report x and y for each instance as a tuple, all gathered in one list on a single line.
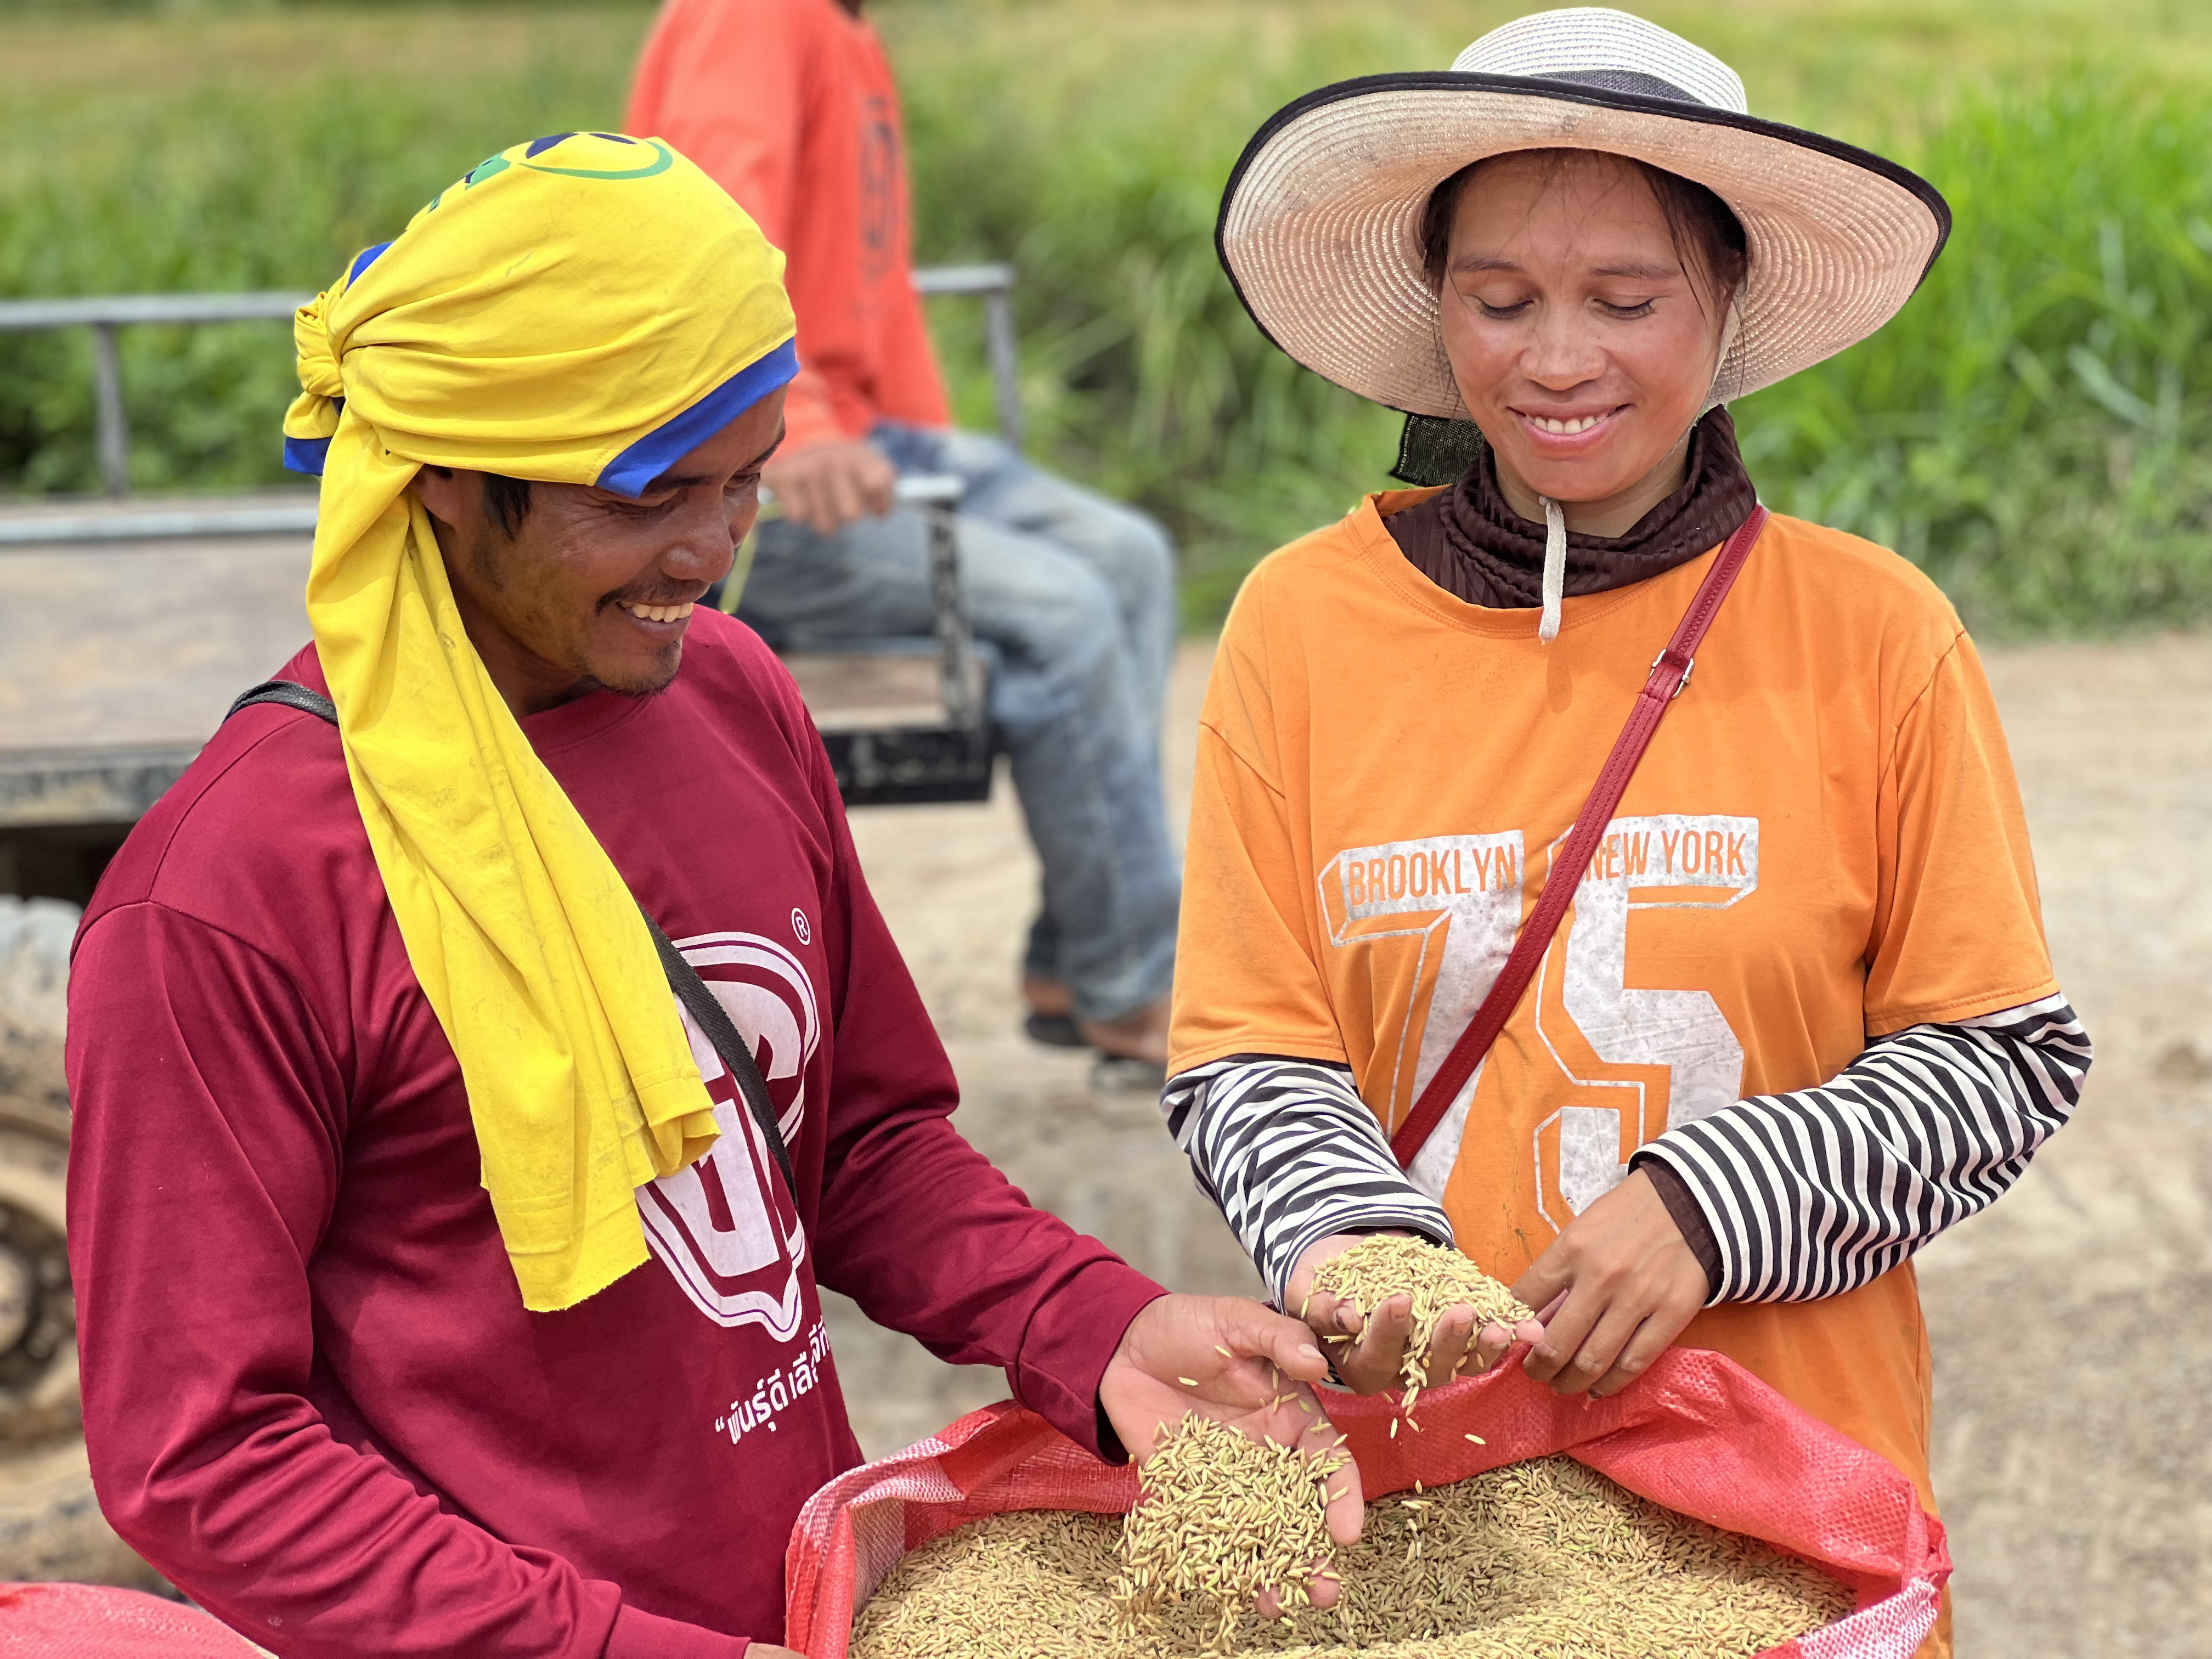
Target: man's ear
[(446, 493)]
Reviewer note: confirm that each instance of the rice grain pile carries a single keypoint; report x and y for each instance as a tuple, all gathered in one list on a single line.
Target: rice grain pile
[(1221, 1518), (1376, 1269), (1539, 1560)]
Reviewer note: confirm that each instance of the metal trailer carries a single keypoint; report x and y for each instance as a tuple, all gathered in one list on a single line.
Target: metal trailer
[(198, 597)]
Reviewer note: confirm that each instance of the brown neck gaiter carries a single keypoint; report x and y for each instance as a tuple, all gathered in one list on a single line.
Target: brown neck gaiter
[(1471, 544)]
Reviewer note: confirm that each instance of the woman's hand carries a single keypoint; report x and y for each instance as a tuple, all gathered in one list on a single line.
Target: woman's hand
[(1613, 1290), (1374, 1359), (1171, 1360)]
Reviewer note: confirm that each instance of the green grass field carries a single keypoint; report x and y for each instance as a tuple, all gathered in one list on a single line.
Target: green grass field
[(2036, 429)]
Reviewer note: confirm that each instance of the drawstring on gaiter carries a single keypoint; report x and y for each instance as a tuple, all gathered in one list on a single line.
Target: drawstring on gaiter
[(1555, 567)]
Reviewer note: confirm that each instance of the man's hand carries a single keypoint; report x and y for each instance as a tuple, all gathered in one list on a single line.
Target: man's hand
[(1374, 1361), (1171, 1360), (1624, 1284), (827, 486)]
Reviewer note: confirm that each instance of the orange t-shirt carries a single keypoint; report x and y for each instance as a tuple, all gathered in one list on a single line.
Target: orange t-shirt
[(789, 105), (1824, 842)]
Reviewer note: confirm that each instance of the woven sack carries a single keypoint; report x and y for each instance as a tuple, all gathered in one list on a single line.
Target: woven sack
[(92, 1621), (1698, 1433)]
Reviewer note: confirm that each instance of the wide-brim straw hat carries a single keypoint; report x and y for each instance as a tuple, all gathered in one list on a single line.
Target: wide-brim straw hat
[(1321, 224)]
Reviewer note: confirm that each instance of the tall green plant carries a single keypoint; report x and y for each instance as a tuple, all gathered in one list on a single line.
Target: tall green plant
[(2035, 429), (218, 185), (1143, 372)]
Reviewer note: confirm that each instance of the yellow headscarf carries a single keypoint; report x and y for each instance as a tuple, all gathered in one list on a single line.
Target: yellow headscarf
[(583, 310)]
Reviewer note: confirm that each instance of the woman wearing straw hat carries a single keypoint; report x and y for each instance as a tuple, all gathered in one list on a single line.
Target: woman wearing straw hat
[(1784, 1010)]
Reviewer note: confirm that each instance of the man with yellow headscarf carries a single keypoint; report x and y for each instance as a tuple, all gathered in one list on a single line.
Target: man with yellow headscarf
[(446, 1286)]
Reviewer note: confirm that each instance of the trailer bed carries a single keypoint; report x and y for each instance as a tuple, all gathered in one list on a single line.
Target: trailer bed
[(118, 659)]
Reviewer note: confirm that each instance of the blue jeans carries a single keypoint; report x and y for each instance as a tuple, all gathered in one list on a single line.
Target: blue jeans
[(1072, 597)]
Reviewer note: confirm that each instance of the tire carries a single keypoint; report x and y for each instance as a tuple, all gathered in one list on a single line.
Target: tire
[(39, 1394), (51, 1527)]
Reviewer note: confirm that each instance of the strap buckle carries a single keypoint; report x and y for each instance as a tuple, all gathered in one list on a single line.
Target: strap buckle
[(1681, 685)]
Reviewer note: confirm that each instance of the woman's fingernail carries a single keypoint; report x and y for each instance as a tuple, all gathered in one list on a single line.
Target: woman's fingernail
[(1307, 1349)]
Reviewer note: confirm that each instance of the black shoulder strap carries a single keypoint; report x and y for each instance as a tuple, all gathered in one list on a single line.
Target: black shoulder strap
[(683, 978), (292, 695), (729, 1042)]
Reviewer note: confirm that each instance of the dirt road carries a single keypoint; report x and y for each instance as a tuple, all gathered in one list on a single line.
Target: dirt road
[(2072, 1324)]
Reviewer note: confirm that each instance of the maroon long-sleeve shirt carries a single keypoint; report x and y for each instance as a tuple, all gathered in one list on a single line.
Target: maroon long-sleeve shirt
[(312, 1394)]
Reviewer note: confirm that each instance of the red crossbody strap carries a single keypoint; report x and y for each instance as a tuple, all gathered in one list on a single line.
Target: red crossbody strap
[(1670, 673)]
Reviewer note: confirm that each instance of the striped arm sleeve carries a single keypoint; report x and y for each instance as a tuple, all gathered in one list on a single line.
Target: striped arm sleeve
[(1290, 1154), (1817, 1192)]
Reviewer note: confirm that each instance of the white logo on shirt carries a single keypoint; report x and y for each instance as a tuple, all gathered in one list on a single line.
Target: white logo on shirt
[(1462, 896), (724, 1226), (1667, 861)]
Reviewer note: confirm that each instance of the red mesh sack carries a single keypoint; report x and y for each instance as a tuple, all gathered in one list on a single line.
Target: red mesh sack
[(1698, 1433), (92, 1621)]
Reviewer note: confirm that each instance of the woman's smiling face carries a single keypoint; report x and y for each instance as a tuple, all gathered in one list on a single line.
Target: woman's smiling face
[(1582, 345)]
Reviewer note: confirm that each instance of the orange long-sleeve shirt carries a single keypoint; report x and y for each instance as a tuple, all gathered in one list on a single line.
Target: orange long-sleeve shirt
[(790, 106)]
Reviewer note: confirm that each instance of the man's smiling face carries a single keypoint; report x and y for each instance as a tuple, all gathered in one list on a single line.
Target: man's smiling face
[(593, 588)]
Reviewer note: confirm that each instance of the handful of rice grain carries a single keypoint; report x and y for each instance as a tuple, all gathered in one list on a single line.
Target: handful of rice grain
[(1376, 1269), (1221, 1518)]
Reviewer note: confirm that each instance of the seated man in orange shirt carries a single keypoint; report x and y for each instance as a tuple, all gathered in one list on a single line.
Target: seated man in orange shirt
[(790, 106)]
